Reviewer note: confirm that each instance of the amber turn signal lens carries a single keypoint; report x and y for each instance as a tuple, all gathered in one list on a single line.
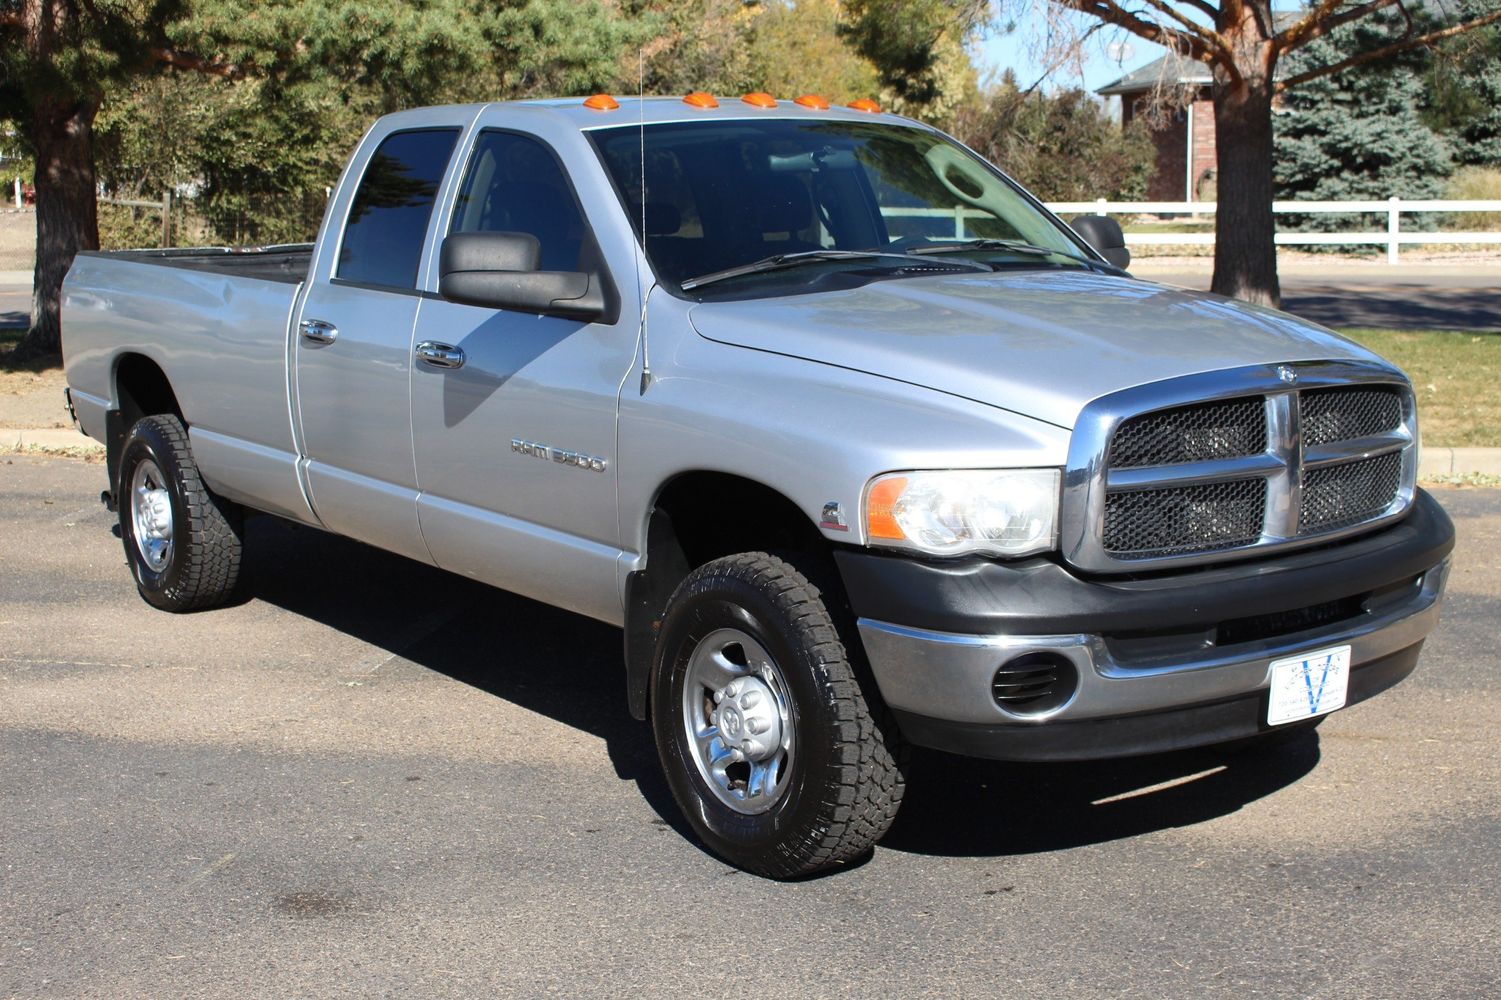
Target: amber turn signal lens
[(880, 520), (699, 99), (601, 102), (813, 101), (865, 104), (756, 99)]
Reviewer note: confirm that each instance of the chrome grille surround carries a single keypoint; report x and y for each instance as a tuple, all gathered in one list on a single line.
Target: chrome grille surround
[(1285, 464)]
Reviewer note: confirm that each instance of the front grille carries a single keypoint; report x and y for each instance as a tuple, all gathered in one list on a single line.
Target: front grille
[(1195, 433), (1344, 414), (1142, 523), (1304, 452), (1339, 495)]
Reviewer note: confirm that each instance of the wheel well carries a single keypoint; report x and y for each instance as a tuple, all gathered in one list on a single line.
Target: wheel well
[(141, 390), (697, 518)]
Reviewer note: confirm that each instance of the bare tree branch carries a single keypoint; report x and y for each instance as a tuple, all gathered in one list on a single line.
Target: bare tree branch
[(1058, 62), (1399, 46), (1345, 17), (1181, 42), (1301, 30), (1209, 35)]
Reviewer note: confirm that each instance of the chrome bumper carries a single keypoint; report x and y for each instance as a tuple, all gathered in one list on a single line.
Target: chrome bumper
[(947, 676)]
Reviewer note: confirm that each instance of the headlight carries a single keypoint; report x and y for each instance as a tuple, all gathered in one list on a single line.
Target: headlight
[(1010, 512)]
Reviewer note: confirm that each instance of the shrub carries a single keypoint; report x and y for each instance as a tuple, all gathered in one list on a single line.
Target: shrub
[(1475, 184)]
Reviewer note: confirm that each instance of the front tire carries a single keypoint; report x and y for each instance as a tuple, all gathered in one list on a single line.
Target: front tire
[(777, 756), (182, 542)]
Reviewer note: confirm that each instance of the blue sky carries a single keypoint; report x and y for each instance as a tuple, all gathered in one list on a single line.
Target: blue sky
[(1022, 51)]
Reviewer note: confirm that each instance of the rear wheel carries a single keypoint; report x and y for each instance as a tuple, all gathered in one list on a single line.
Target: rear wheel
[(181, 541), (778, 755)]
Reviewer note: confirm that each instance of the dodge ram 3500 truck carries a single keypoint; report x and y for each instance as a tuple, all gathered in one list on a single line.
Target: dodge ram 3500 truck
[(859, 445)]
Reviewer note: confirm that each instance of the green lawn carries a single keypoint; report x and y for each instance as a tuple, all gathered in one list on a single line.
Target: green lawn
[(1457, 378)]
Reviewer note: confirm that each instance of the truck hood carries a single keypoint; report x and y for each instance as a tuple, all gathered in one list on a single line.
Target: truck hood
[(1038, 343)]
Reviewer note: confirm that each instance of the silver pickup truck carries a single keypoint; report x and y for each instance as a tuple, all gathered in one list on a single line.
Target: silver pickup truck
[(859, 445)]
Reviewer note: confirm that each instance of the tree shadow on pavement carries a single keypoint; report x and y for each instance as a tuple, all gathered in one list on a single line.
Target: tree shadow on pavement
[(568, 668), (552, 662)]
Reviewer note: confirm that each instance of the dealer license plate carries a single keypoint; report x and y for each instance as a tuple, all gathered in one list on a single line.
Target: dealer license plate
[(1308, 685)]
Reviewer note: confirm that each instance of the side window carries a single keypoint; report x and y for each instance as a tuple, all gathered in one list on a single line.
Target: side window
[(515, 185), (382, 242)]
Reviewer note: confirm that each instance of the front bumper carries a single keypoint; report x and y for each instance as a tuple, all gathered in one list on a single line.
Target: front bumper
[(1158, 662)]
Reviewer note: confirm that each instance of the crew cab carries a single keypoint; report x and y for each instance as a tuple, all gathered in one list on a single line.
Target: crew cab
[(858, 444)]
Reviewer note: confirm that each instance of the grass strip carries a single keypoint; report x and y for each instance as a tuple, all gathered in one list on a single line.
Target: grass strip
[(1457, 378)]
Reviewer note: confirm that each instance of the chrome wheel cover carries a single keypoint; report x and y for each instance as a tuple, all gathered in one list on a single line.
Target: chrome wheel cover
[(737, 723), (151, 516)]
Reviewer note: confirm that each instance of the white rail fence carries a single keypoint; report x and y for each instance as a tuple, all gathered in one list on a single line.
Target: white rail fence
[(1392, 236)]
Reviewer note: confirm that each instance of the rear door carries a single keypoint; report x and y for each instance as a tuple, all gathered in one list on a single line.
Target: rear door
[(353, 345)]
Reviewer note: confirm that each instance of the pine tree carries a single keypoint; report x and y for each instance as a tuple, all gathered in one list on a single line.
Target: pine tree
[(1359, 134)]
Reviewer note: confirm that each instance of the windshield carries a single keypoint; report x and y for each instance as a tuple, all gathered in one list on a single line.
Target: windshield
[(724, 195)]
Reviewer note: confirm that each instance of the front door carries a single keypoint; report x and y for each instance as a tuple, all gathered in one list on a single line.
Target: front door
[(514, 416)]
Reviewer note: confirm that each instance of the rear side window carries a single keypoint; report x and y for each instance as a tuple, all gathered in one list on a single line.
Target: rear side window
[(382, 242), (515, 185)]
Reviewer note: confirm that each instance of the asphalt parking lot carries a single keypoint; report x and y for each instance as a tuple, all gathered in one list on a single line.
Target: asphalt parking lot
[(372, 778)]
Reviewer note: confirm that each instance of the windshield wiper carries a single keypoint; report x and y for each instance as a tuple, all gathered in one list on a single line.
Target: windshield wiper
[(779, 261), (1014, 246)]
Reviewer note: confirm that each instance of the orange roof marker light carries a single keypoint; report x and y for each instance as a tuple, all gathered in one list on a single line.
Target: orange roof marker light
[(757, 99), (601, 102), (699, 99), (865, 104), (813, 101)]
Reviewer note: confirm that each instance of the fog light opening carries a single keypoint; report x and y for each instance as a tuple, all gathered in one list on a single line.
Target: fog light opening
[(1034, 683)]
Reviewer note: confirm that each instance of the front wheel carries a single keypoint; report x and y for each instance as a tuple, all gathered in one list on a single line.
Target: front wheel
[(774, 751), (181, 541)]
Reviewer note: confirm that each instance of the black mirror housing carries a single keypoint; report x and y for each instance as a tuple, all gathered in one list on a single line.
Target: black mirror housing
[(499, 271), (1104, 234)]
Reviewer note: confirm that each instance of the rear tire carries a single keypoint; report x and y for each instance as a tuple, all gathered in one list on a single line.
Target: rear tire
[(780, 759), (183, 543)]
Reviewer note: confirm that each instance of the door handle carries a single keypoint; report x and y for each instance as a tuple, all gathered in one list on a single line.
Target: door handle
[(440, 355), (318, 332)]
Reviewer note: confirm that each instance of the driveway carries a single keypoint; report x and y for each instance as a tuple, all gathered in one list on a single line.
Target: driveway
[(1405, 297), (374, 778)]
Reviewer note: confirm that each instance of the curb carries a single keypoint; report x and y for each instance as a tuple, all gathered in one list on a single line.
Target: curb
[(64, 439), (1435, 462)]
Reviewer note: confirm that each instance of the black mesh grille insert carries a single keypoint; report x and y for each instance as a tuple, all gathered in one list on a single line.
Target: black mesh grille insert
[(1194, 433), (1340, 495), (1144, 523), (1281, 623), (1342, 414)]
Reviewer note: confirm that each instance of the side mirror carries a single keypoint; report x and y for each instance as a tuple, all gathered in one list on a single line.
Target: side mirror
[(499, 271), (1104, 234)]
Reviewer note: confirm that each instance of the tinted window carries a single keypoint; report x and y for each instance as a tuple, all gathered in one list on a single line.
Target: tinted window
[(515, 185), (388, 220), (716, 195)]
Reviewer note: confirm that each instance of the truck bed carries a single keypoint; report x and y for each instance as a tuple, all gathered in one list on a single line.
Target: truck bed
[(216, 323), (287, 263)]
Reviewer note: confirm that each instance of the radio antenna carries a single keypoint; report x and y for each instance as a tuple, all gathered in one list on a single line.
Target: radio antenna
[(641, 141)]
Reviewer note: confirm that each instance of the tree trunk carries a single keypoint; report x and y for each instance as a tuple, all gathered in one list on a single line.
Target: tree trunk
[(67, 215), (1245, 254)]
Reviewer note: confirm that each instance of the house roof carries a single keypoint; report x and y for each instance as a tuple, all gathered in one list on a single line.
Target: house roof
[(1185, 72)]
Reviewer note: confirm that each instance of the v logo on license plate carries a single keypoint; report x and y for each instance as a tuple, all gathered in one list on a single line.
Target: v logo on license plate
[(1294, 693)]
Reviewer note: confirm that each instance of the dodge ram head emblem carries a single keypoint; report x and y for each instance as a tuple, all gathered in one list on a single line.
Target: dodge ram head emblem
[(1286, 374)]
